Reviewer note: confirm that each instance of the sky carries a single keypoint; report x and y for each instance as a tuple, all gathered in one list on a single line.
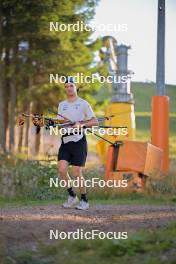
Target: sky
[(140, 16)]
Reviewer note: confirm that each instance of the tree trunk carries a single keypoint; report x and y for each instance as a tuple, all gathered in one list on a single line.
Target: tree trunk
[(13, 98), (2, 95), (27, 110), (37, 136), (26, 136), (37, 143), (6, 110), (2, 124), (20, 138), (12, 116)]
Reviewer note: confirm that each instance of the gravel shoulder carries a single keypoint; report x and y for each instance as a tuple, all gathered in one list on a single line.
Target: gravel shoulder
[(25, 227)]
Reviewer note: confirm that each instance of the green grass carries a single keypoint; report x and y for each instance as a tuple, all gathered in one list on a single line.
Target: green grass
[(96, 198), (143, 93), (144, 247), (143, 131), (29, 181)]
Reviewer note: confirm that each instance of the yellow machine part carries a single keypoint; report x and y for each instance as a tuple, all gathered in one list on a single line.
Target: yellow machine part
[(123, 116)]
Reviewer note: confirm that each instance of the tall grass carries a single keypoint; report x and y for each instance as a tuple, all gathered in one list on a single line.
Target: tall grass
[(30, 180)]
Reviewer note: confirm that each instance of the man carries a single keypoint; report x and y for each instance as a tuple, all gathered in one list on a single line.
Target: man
[(73, 149)]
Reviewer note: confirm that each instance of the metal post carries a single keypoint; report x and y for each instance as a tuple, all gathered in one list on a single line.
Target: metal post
[(160, 72), (160, 102)]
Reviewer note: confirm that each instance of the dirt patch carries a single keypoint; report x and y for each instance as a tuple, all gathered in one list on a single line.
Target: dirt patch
[(22, 228)]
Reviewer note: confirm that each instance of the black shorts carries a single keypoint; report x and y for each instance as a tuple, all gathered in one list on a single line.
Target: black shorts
[(74, 152)]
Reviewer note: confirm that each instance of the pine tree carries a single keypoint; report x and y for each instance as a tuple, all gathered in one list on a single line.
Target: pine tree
[(29, 52)]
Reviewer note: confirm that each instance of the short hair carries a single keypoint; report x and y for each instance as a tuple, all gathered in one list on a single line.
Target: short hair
[(69, 79)]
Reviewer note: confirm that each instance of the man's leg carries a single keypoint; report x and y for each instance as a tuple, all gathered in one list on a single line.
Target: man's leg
[(63, 173), (77, 173)]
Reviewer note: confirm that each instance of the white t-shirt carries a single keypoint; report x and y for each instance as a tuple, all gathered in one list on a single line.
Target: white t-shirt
[(79, 110)]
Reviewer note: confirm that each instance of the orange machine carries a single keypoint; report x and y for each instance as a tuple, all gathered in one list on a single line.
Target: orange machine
[(138, 159), (135, 181)]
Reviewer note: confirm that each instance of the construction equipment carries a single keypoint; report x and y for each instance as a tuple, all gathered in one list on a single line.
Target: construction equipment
[(121, 102)]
